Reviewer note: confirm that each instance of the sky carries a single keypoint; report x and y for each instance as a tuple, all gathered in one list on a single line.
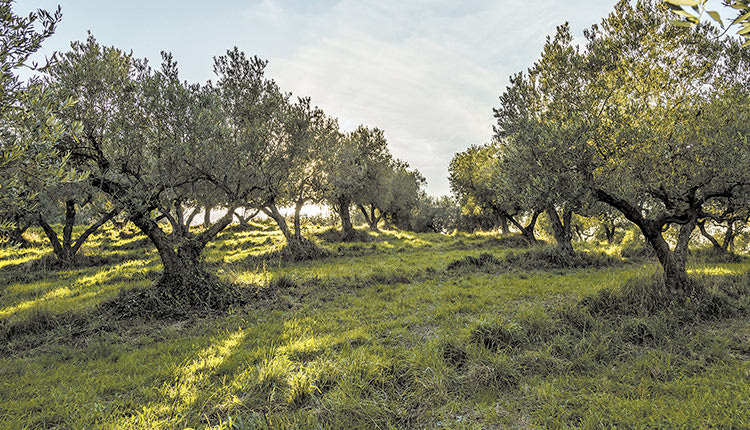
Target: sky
[(426, 72)]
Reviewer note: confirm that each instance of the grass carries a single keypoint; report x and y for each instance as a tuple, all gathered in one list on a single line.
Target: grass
[(379, 334)]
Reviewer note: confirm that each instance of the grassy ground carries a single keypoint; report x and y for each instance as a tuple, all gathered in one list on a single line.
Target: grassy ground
[(400, 331)]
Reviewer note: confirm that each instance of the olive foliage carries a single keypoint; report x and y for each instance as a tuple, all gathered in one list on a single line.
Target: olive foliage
[(30, 159), (648, 118)]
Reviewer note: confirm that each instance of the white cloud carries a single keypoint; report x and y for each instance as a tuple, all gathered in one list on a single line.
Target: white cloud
[(426, 72)]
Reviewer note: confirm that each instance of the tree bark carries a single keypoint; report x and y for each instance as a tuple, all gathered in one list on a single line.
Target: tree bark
[(62, 254), (70, 220), (66, 251), (62, 249), (244, 219), (371, 218), (343, 203), (171, 262), (609, 233), (676, 278), (191, 216), (92, 229), (526, 231), (297, 218), (729, 235), (709, 236), (207, 217), (683, 241), (180, 260), (561, 229), (273, 212), (503, 224)]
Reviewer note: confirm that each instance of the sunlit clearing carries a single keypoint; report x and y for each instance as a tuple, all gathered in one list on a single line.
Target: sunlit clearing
[(132, 266), (20, 256), (716, 271), (54, 294), (191, 379), (306, 346)]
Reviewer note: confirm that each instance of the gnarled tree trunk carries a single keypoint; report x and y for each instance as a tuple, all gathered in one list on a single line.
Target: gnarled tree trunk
[(67, 249), (676, 280), (527, 231), (244, 219), (181, 260), (675, 276), (729, 235), (609, 233), (207, 217), (273, 212), (370, 216), (561, 229), (503, 220), (297, 217), (343, 203)]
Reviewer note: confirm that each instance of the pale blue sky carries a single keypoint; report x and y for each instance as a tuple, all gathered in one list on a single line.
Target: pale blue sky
[(427, 72)]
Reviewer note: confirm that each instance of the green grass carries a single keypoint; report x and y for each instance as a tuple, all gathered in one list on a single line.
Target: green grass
[(380, 334)]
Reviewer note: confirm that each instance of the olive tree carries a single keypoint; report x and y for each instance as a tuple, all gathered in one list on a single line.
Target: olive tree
[(479, 181), (277, 140), (401, 193), (691, 12), (538, 134), (657, 127), (148, 141), (434, 214), (352, 163), (314, 132), (65, 201), (29, 131)]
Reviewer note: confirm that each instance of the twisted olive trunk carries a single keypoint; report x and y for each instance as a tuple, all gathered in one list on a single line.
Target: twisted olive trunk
[(180, 260), (561, 229), (343, 203), (67, 249), (527, 231), (676, 280)]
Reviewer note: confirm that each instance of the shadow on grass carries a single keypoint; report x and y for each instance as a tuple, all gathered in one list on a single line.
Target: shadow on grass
[(617, 324), (537, 258)]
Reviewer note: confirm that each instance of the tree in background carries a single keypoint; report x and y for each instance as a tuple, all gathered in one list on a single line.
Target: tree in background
[(376, 192), (610, 222), (479, 182), (258, 133), (373, 160), (350, 165), (65, 201), (402, 190), (29, 157), (539, 135), (730, 217), (434, 214), (315, 132)]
